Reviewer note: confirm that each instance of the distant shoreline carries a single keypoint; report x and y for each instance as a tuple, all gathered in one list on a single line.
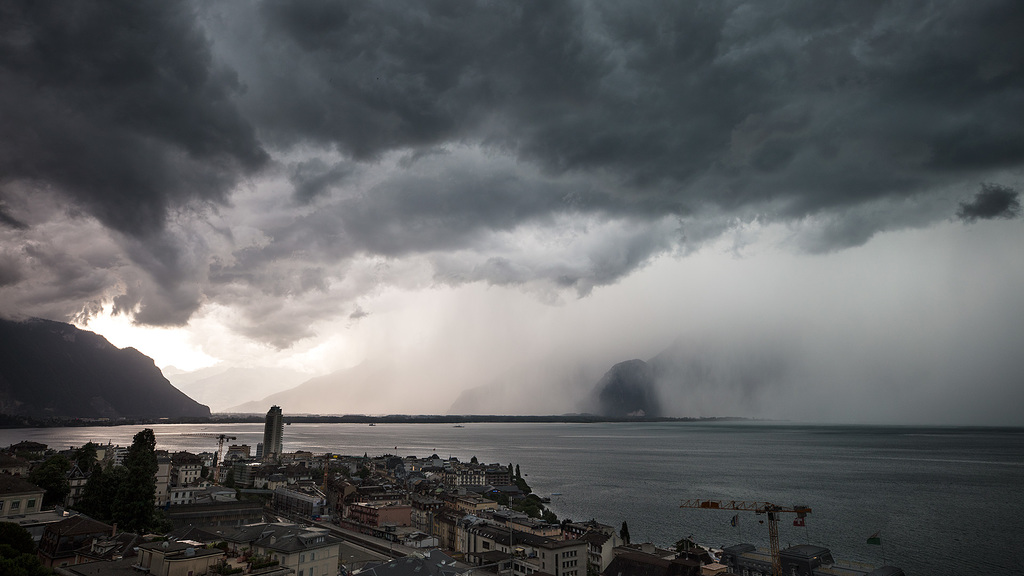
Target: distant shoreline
[(7, 421)]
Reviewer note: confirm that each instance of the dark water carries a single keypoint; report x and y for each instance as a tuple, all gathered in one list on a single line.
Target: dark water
[(946, 500)]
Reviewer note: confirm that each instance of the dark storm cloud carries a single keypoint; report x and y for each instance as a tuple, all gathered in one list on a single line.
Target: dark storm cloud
[(992, 201), (120, 106), (314, 178), (816, 105), (7, 220), (444, 129)]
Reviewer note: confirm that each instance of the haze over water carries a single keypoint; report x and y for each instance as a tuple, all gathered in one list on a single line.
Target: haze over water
[(946, 500)]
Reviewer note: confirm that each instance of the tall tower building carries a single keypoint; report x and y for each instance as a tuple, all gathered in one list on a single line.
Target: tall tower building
[(272, 434)]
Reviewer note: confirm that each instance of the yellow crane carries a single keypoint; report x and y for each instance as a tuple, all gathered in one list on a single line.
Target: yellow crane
[(221, 438), (772, 510)]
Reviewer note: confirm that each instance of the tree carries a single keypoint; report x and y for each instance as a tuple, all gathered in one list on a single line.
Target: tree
[(141, 455), (518, 475), (17, 537), (473, 460), (549, 517), (94, 495), (85, 457), (624, 532), (52, 475), (126, 494), (135, 498), (17, 552)]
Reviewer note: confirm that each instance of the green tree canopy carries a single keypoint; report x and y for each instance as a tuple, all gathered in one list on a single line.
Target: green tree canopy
[(624, 532), (17, 537), (135, 498), (141, 456), (52, 475), (17, 552), (85, 457)]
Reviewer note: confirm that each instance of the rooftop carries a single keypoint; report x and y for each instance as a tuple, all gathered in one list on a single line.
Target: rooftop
[(16, 485)]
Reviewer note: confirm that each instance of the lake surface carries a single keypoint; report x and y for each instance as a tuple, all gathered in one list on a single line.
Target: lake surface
[(947, 501)]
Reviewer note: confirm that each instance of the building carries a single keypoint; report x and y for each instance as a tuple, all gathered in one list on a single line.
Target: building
[(177, 559), (496, 475), (307, 551), (600, 549), (305, 501), (530, 554), (10, 464), (77, 480), (28, 449), (163, 481), (186, 469), (636, 563), (423, 510), (464, 475), (238, 452), (19, 496), (273, 434), (62, 539), (380, 514), (215, 514), (431, 563), (471, 504)]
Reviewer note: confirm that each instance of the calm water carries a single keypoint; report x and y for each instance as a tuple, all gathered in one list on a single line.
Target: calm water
[(946, 500)]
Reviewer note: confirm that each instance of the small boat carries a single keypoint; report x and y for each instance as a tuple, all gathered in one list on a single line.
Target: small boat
[(458, 426), (372, 424)]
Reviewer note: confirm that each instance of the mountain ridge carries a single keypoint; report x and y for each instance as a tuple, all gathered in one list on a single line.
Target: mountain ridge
[(51, 369)]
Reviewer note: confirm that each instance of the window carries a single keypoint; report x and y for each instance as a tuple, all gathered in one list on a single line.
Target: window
[(15, 505), (1, 505), (302, 558), (312, 556), (32, 503)]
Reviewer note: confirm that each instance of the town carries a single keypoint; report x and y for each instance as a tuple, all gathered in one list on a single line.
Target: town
[(106, 509)]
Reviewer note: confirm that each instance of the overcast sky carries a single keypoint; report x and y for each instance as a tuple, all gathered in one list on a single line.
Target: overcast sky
[(461, 189)]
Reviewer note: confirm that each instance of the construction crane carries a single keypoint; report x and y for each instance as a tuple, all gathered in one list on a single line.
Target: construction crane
[(768, 508), (221, 438)]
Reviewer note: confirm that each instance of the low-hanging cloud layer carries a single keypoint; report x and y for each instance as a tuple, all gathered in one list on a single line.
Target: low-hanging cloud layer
[(285, 160)]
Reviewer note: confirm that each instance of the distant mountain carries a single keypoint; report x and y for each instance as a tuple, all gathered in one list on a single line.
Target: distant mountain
[(550, 385), (52, 369), (220, 387), (364, 389), (628, 389), (697, 378)]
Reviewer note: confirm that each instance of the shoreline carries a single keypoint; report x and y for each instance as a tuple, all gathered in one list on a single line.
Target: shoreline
[(14, 422)]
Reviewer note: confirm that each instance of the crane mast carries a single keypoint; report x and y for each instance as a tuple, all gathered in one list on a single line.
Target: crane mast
[(220, 449), (767, 508)]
